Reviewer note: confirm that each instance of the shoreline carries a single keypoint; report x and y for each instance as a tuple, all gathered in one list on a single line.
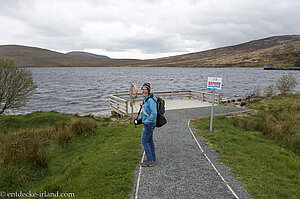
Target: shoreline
[(138, 67)]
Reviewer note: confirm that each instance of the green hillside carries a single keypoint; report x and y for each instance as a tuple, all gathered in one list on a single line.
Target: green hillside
[(277, 50)]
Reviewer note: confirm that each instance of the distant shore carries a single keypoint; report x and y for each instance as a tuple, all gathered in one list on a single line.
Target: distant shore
[(271, 67)]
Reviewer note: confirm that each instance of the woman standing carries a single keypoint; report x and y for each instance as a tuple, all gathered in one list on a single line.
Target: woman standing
[(149, 114)]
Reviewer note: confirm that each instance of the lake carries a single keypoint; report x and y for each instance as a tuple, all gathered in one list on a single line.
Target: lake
[(86, 90)]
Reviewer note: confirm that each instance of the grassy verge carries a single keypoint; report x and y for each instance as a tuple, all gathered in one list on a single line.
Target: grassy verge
[(53, 152), (266, 166), (278, 119), (33, 120)]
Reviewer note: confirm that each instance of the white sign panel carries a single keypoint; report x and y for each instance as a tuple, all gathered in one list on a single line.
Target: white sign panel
[(214, 83)]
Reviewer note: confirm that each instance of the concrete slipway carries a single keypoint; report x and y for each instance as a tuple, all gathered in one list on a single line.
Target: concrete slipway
[(176, 104)]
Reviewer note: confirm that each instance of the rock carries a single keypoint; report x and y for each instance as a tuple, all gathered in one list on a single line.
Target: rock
[(223, 101), (243, 103)]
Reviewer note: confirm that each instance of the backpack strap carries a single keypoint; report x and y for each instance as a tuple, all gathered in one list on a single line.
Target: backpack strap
[(139, 112), (151, 96)]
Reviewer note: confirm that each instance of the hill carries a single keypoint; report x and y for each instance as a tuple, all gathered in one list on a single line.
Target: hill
[(278, 50), (25, 56), (86, 55)]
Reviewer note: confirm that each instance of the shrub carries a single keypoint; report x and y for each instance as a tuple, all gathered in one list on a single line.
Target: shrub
[(257, 91), (16, 85), (270, 91), (286, 83)]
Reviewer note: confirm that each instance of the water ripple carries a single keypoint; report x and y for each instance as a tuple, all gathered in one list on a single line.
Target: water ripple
[(87, 90)]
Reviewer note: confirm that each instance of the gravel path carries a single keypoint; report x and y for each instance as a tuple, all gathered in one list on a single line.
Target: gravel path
[(183, 170)]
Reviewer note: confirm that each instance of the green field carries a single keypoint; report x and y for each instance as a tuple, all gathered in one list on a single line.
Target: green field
[(261, 150), (96, 157), (90, 157)]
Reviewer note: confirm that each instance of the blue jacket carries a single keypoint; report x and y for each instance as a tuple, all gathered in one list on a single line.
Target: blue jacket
[(149, 110)]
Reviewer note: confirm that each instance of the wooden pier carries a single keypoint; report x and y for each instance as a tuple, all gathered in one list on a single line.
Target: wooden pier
[(120, 103), (271, 67)]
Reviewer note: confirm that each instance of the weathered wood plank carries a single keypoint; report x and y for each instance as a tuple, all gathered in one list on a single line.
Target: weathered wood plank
[(121, 102)]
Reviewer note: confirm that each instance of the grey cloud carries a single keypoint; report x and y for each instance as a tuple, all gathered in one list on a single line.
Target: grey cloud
[(156, 26)]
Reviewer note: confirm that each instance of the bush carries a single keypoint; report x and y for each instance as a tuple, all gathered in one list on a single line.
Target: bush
[(257, 91), (16, 85), (287, 83), (270, 91)]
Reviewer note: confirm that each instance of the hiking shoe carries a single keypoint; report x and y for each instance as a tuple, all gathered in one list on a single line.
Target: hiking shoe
[(148, 164)]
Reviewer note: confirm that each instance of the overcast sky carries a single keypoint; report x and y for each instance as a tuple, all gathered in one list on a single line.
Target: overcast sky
[(144, 28)]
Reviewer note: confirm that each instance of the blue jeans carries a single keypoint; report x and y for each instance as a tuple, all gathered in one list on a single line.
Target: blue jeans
[(147, 141)]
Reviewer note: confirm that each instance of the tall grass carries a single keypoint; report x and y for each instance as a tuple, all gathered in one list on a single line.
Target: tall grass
[(23, 156), (24, 151), (63, 134), (278, 118), (90, 157), (263, 167), (66, 131), (26, 147)]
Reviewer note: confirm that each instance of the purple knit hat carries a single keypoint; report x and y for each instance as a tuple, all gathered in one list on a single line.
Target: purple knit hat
[(146, 85)]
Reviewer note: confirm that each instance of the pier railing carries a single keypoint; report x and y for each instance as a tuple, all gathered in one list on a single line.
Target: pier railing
[(120, 103)]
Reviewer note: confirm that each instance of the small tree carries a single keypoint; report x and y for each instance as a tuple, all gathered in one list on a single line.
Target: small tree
[(16, 85), (286, 83), (270, 90), (257, 91)]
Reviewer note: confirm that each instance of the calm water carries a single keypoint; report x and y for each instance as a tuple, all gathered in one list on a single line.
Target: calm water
[(87, 90)]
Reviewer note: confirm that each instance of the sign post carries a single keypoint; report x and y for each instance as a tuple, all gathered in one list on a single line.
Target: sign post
[(213, 83), (212, 111)]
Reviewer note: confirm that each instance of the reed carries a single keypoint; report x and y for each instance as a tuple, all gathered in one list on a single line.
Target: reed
[(66, 131), (26, 147), (63, 134), (294, 106), (278, 118), (81, 126), (24, 151)]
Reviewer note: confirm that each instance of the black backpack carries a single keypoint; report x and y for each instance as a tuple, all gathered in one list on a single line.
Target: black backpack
[(160, 118), (160, 104)]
